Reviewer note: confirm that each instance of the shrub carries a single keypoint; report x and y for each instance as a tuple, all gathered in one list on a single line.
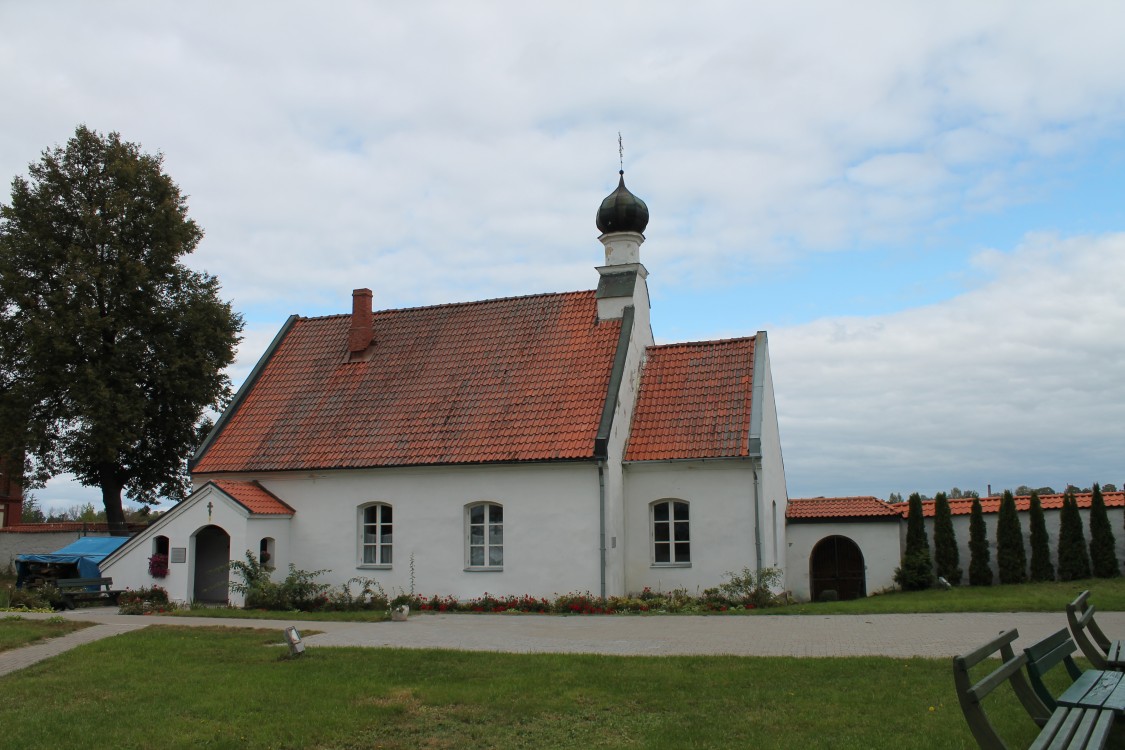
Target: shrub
[(1041, 567), (43, 598), (947, 559), (369, 597), (1074, 561), (1010, 555), (299, 590), (980, 567), (145, 601), (752, 588), (917, 569), (1103, 547)]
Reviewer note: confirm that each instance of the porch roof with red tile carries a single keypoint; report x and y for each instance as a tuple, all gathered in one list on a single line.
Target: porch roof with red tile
[(254, 498)]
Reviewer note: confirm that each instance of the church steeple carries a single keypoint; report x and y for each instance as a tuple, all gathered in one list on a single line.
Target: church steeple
[(622, 218), (621, 211)]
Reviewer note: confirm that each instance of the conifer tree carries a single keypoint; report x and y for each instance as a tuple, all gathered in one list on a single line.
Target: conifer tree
[(1010, 555), (917, 571), (1074, 561), (1041, 567), (946, 556), (980, 568), (1103, 547)]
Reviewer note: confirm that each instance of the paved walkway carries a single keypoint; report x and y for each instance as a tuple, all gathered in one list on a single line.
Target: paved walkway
[(935, 636)]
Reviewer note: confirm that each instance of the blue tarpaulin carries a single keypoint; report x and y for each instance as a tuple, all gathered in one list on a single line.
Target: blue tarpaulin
[(86, 553)]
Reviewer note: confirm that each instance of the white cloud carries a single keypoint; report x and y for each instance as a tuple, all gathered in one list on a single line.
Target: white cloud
[(1015, 382), (448, 151)]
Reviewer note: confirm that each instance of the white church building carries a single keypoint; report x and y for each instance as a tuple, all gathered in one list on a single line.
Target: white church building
[(528, 445)]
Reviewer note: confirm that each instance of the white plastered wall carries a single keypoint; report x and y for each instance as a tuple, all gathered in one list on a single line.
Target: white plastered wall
[(208, 506), (1051, 521), (774, 493), (721, 501), (550, 526), (616, 532), (878, 541)]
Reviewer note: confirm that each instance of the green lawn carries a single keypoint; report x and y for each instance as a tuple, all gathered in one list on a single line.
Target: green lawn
[(227, 613), (15, 631), (1107, 594), (175, 687)]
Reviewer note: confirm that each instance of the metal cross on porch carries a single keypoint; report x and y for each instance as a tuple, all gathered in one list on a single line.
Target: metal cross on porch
[(210, 507)]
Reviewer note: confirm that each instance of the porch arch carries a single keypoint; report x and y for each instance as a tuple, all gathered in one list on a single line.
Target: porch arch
[(836, 564), (212, 555)]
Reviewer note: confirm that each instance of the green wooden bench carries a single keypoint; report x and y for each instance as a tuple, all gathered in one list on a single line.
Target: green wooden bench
[(1092, 688), (1062, 727), (85, 589), (1099, 649)]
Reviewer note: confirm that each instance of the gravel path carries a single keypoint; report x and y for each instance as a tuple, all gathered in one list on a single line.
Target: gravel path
[(936, 636)]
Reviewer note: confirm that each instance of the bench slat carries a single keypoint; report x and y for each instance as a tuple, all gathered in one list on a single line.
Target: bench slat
[(996, 677)]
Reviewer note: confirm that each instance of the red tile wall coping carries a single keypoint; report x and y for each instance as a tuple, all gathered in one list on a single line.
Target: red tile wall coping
[(853, 507), (839, 507), (45, 528), (694, 401), (515, 379), (964, 506)]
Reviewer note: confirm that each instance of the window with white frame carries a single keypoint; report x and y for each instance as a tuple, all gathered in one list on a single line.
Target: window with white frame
[(671, 533), (375, 534), (485, 537)]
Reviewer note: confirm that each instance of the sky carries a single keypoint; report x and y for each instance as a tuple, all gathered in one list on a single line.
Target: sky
[(922, 204)]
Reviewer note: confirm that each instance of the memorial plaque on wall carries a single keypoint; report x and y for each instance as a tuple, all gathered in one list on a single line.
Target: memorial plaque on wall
[(179, 554)]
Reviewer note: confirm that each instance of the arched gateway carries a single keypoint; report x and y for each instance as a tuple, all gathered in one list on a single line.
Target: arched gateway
[(836, 564)]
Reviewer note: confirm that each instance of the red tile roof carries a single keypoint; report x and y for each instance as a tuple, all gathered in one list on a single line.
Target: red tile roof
[(694, 401), (517, 379), (839, 507), (254, 497), (963, 506), (87, 526)]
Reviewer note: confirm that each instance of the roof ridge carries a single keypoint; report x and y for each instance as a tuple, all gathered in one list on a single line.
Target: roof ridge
[(705, 342), (445, 305)]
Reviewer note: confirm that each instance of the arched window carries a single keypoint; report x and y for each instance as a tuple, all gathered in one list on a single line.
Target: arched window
[(375, 534), (484, 537), (671, 533), (160, 545)]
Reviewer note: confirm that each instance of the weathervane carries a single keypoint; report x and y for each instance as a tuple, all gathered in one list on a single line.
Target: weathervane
[(620, 152)]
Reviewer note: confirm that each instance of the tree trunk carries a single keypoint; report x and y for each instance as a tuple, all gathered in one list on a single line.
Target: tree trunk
[(111, 499)]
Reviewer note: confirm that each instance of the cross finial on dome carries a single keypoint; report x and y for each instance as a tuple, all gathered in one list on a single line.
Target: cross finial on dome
[(621, 211)]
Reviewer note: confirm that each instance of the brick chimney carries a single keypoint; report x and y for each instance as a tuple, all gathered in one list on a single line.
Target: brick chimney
[(362, 331)]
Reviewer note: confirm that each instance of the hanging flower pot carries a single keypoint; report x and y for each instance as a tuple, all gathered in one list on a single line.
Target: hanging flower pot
[(158, 566)]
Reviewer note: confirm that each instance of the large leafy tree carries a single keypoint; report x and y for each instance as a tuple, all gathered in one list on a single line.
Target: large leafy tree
[(111, 350)]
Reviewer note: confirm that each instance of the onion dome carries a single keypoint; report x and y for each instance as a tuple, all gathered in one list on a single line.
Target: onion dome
[(621, 211)]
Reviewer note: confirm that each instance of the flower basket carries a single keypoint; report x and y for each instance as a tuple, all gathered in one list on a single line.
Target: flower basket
[(158, 566)]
